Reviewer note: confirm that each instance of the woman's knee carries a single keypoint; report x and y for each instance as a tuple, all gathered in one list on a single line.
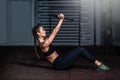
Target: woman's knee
[(81, 48)]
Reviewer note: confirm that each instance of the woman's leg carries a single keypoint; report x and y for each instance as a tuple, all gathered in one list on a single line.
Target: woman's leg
[(71, 56)]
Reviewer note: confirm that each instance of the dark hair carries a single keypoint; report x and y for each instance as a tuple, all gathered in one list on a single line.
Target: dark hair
[(35, 29)]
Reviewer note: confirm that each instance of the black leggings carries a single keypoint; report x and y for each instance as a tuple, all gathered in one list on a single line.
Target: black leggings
[(65, 62)]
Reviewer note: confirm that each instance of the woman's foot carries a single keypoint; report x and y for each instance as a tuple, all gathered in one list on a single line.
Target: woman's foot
[(102, 67)]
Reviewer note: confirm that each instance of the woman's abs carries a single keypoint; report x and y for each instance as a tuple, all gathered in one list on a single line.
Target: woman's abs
[(52, 57)]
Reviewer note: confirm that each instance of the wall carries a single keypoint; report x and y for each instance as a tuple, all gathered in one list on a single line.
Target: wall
[(116, 22), (3, 22), (17, 19)]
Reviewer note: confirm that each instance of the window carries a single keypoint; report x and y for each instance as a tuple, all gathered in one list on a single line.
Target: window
[(75, 33)]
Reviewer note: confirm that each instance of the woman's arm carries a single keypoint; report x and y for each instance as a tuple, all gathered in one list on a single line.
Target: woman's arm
[(49, 40)]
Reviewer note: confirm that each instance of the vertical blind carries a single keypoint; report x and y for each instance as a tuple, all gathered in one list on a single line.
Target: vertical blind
[(77, 32)]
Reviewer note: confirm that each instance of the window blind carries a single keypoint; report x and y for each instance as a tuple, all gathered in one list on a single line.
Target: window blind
[(87, 28), (75, 33)]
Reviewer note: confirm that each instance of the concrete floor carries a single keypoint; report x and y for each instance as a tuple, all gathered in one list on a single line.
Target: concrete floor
[(19, 63)]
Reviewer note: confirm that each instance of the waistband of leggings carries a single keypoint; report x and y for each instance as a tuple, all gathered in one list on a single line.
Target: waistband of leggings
[(56, 60)]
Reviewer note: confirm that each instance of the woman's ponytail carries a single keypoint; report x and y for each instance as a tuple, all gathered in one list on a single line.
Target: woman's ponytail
[(34, 32)]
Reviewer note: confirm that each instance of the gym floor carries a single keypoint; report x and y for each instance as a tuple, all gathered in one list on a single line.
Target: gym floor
[(19, 63)]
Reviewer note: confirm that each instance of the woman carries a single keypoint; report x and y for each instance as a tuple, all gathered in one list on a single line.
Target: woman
[(52, 56)]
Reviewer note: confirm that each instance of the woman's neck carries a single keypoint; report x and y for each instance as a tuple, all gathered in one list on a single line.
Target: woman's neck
[(41, 39)]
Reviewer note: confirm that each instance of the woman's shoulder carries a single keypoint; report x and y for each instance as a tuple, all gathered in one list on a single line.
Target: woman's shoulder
[(41, 44)]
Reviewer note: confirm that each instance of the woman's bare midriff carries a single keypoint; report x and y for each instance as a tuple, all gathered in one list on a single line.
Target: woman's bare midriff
[(52, 57)]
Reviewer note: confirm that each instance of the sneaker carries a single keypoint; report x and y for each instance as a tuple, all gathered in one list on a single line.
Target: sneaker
[(102, 67)]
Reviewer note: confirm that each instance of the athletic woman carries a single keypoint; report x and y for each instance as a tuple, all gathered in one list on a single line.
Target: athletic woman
[(60, 62)]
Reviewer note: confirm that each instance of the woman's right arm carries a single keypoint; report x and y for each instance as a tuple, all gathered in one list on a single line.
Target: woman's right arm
[(49, 40)]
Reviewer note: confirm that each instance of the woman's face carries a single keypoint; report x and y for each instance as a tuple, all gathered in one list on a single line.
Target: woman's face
[(42, 32)]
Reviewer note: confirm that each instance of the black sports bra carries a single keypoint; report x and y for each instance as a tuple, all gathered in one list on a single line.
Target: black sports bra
[(50, 51)]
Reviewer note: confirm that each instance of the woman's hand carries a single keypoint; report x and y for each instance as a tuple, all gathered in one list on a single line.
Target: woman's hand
[(61, 16)]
